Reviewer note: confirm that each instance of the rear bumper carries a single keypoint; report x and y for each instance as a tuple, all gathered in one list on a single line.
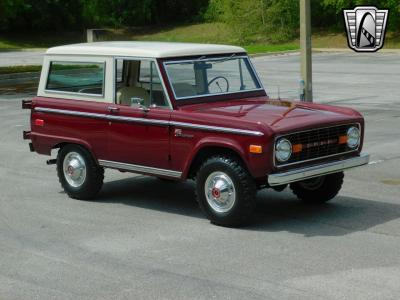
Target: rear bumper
[(316, 171)]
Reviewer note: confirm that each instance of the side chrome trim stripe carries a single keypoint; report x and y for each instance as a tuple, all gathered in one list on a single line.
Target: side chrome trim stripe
[(70, 112), (217, 128), (138, 120), (140, 169), (149, 121), (101, 116)]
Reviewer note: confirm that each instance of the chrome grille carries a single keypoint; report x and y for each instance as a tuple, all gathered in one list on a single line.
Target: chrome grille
[(317, 143)]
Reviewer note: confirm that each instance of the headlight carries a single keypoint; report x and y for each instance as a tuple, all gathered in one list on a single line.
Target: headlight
[(283, 150), (353, 137)]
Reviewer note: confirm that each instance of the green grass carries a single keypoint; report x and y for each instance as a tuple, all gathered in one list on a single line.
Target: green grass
[(21, 41), (222, 34), (392, 40), (197, 33), (323, 39), (19, 69), (219, 33), (265, 48)]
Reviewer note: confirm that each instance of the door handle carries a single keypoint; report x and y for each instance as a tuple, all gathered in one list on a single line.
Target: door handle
[(144, 108), (113, 109)]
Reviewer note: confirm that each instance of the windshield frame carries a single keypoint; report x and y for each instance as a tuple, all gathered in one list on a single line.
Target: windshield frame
[(217, 96)]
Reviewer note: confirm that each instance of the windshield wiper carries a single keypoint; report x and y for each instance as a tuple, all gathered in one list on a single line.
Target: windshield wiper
[(201, 58), (217, 61)]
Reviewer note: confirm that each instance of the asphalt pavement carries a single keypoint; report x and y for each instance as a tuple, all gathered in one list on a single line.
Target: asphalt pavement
[(146, 239), (21, 58)]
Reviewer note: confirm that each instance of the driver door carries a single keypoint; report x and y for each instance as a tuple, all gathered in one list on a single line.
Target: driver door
[(139, 126)]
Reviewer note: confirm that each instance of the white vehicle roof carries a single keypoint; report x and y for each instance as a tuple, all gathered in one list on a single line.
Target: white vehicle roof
[(144, 49)]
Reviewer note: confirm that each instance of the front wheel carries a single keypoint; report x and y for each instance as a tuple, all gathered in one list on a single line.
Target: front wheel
[(225, 191), (80, 176), (318, 190)]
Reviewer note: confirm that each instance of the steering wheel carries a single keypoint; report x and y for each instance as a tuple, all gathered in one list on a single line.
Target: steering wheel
[(215, 80)]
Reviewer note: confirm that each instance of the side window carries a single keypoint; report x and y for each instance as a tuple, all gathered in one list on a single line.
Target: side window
[(147, 71), (76, 77), (119, 71), (138, 83)]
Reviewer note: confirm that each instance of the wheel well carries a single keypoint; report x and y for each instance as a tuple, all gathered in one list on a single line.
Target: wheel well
[(208, 152), (60, 145)]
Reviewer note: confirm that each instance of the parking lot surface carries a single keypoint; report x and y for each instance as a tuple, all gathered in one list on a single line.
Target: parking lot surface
[(20, 58), (146, 239)]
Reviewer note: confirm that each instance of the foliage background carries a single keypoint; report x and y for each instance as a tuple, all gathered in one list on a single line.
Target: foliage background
[(278, 20)]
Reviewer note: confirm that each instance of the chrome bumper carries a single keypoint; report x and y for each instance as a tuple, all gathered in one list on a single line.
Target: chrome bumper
[(315, 171)]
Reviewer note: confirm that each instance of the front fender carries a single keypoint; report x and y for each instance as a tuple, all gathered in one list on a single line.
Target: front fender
[(216, 142)]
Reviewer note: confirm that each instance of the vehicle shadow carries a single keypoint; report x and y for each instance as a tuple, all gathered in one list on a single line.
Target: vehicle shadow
[(152, 193), (342, 215), (275, 211)]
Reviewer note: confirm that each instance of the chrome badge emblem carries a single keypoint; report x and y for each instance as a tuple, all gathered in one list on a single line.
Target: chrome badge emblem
[(365, 27)]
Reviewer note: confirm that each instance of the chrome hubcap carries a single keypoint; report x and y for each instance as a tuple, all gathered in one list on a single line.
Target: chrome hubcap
[(74, 169), (220, 192)]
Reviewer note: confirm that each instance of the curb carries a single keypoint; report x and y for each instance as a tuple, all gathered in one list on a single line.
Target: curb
[(287, 52), (347, 50), (320, 50)]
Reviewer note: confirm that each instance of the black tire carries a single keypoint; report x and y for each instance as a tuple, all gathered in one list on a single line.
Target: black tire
[(166, 180), (244, 187), (93, 180), (318, 190)]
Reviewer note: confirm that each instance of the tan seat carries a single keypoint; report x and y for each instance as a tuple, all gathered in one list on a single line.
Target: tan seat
[(131, 90), (125, 95)]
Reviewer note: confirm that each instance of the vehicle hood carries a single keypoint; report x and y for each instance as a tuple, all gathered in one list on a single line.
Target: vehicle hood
[(279, 115)]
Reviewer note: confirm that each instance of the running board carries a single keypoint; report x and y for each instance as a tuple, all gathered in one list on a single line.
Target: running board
[(139, 169)]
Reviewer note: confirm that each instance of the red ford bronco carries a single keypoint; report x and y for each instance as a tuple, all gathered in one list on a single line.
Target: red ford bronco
[(186, 111)]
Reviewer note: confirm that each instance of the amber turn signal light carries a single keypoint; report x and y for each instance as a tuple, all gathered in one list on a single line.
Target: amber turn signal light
[(343, 139), (297, 148), (257, 149)]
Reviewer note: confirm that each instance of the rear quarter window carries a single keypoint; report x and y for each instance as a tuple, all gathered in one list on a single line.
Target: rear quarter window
[(76, 77)]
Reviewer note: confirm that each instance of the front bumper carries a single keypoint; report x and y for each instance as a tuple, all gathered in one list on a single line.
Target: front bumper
[(316, 171)]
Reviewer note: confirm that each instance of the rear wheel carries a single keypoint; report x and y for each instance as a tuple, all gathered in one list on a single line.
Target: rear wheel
[(318, 190), (80, 176), (225, 191)]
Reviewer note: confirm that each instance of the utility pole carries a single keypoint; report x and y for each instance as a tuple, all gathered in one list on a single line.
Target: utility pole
[(306, 55)]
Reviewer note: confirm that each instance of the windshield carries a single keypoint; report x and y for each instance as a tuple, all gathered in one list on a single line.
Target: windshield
[(206, 77)]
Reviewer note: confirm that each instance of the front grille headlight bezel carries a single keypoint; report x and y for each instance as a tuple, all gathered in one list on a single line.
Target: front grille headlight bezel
[(283, 150), (296, 160)]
